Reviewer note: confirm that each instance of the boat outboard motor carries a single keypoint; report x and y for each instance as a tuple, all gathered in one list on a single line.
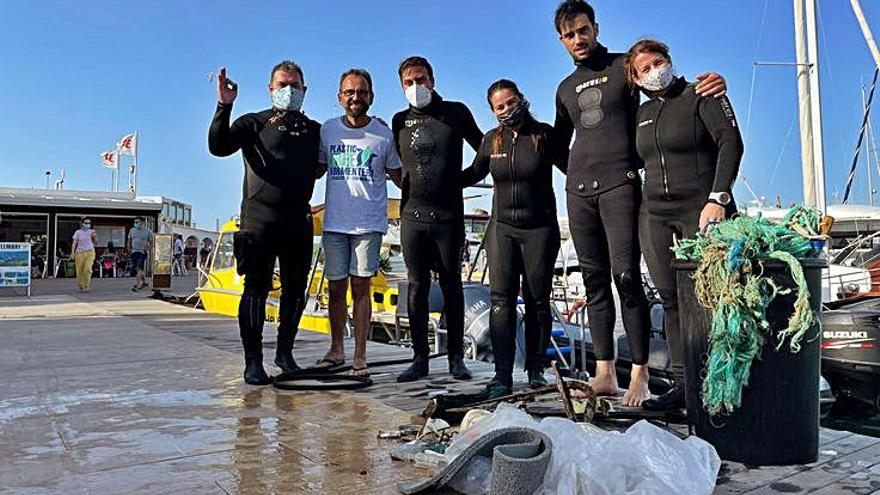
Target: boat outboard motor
[(477, 305)]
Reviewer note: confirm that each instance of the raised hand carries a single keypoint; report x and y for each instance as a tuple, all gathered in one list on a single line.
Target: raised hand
[(227, 90)]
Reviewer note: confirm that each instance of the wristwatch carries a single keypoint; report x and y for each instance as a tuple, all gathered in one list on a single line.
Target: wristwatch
[(722, 198)]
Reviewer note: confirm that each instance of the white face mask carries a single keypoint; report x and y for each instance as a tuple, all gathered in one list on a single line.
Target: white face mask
[(288, 98), (418, 96), (658, 78)]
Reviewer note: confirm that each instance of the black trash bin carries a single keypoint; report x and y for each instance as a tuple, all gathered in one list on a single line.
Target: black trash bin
[(778, 420)]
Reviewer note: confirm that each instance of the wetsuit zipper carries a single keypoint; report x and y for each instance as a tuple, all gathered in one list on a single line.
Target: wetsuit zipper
[(513, 177), (660, 149)]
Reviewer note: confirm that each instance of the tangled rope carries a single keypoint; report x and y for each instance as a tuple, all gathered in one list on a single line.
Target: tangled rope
[(730, 283)]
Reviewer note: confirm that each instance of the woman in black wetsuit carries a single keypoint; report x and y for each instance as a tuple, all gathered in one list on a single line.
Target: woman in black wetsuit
[(520, 154), (691, 148)]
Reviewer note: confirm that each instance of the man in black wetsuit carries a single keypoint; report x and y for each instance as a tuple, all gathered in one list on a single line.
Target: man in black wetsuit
[(604, 191), (430, 135), (280, 151)]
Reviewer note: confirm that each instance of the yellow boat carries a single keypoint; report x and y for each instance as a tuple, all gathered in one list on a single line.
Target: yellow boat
[(223, 286)]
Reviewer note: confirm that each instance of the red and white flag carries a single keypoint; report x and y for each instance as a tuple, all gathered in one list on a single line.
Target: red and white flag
[(128, 144), (110, 159)]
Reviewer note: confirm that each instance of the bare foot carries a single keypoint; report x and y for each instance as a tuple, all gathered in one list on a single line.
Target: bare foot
[(359, 361), (605, 385), (359, 371), (605, 381), (638, 387)]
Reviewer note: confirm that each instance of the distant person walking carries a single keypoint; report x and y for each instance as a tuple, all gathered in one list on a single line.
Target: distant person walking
[(179, 264), (83, 250), (140, 239)]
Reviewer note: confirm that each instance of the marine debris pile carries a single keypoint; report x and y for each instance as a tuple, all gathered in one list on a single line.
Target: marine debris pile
[(730, 283), (508, 450)]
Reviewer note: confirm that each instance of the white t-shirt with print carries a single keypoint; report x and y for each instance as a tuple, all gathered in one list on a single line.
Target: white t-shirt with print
[(356, 198)]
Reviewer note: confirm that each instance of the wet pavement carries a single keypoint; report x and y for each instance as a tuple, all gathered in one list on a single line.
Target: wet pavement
[(96, 401), (111, 392)]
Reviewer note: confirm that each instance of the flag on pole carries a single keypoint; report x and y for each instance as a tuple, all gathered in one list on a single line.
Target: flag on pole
[(128, 144), (110, 159)]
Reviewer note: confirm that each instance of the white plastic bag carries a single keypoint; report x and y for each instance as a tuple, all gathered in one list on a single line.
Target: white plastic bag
[(475, 478), (645, 460), (505, 415)]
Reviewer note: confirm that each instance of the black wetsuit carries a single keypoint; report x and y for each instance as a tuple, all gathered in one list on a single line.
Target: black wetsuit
[(525, 237), (430, 141), (691, 147), (603, 192), (280, 152)]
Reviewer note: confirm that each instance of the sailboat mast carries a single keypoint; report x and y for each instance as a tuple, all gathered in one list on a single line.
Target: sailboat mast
[(816, 104), (868, 150), (866, 31), (810, 111)]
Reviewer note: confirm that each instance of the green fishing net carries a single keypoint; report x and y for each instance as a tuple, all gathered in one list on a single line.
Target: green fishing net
[(730, 283)]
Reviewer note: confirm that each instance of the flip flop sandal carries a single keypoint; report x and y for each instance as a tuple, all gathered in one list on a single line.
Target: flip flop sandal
[(328, 366)]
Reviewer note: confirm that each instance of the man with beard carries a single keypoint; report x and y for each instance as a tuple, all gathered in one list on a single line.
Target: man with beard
[(280, 151), (604, 192), (357, 151), (430, 135)]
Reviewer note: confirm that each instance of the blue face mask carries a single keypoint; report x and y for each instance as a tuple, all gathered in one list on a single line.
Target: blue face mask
[(288, 98)]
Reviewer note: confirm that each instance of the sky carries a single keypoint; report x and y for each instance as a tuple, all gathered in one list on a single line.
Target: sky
[(76, 76)]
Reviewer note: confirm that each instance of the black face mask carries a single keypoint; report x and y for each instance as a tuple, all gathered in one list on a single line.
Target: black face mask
[(516, 116)]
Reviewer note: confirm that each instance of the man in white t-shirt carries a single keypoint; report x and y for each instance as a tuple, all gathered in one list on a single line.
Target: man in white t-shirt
[(358, 151)]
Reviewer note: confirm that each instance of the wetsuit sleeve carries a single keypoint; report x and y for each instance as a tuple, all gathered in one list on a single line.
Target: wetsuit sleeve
[(396, 126), (558, 150), (470, 130), (479, 169), (223, 139), (719, 119), (562, 132)]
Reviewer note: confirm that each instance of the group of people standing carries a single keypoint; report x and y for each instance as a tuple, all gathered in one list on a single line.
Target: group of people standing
[(685, 137)]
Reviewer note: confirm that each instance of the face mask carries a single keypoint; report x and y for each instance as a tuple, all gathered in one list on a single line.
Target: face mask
[(658, 78), (515, 115), (87, 225), (418, 96), (137, 225), (288, 98)]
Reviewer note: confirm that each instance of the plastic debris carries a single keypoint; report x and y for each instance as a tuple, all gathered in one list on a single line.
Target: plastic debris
[(587, 460), (472, 416), (430, 459), (408, 451), (475, 478)]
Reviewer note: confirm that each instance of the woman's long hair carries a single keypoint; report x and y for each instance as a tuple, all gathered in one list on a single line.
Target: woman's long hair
[(498, 138)]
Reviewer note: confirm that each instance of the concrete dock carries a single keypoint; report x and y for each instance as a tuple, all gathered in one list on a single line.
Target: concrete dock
[(111, 392)]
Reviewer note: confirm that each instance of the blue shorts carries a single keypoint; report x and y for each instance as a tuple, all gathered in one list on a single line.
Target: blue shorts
[(355, 255), (138, 262)]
